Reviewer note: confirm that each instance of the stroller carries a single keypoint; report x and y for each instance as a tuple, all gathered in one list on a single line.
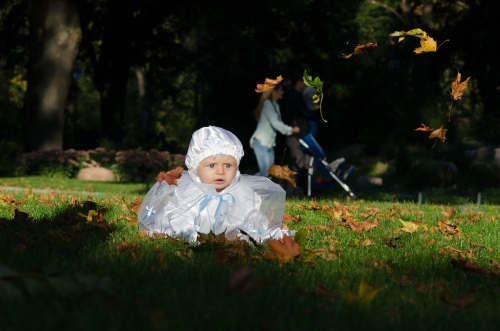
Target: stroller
[(332, 172)]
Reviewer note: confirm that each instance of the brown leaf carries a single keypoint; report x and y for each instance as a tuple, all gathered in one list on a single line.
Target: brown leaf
[(462, 301), (393, 242), (449, 213), (448, 229), (239, 278), (473, 244), (282, 172), (135, 205), (321, 290), (495, 266), (439, 134), (285, 250), (467, 266), (268, 85), (380, 264), (359, 49), (363, 226), (290, 218), (458, 88), (407, 278), (313, 205), (457, 253), (423, 128), (170, 176)]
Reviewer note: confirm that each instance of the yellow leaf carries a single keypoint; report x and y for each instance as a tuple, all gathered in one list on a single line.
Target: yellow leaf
[(426, 45), (409, 227), (366, 293)]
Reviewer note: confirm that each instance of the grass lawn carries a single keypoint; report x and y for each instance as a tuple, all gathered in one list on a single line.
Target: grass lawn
[(60, 271)]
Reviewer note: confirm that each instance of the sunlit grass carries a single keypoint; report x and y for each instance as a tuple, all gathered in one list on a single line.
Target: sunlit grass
[(92, 279)]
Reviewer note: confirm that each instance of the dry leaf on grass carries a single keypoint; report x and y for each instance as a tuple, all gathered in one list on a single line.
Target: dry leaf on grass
[(290, 218), (467, 266), (462, 301), (448, 229), (135, 205), (457, 253), (170, 176), (284, 251), (359, 49), (448, 213), (366, 293), (313, 205), (363, 226), (268, 85), (282, 172)]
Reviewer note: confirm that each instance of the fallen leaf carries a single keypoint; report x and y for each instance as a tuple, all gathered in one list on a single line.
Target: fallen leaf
[(170, 176), (313, 205), (282, 172), (407, 278), (457, 90), (268, 85), (409, 227), (392, 242), (366, 293), (462, 301), (135, 205), (290, 218), (363, 226), (285, 250), (473, 244), (239, 279), (380, 264), (467, 266), (457, 253), (448, 229), (359, 49), (362, 243), (449, 213)]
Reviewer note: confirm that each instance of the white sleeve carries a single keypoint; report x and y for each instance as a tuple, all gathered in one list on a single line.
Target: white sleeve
[(270, 113)]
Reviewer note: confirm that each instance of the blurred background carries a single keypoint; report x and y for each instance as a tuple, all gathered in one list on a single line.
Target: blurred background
[(130, 75)]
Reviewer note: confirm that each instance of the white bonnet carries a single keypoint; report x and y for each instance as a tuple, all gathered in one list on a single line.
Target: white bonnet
[(212, 140)]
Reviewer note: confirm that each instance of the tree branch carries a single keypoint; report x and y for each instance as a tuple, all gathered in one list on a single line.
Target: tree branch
[(392, 10)]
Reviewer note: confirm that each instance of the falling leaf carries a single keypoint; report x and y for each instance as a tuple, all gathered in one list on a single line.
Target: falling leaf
[(366, 293), (424, 128), (414, 33), (268, 85), (439, 134), (282, 172), (170, 176), (426, 45), (363, 226), (285, 250), (317, 84), (467, 266), (457, 90), (448, 229), (359, 49)]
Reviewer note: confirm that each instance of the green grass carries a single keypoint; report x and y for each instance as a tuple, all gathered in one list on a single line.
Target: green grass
[(75, 276)]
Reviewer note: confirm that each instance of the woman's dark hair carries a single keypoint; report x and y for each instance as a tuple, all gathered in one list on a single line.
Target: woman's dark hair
[(263, 97)]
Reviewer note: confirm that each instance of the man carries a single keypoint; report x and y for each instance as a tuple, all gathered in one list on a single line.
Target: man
[(298, 115)]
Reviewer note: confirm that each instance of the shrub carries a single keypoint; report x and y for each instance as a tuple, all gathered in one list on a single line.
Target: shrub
[(128, 165)]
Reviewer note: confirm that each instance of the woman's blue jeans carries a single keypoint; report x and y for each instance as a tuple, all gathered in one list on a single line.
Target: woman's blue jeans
[(265, 157)]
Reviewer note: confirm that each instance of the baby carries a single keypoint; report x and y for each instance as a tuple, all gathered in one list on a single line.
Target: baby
[(212, 196)]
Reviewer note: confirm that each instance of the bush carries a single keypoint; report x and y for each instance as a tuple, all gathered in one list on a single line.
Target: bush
[(128, 166)]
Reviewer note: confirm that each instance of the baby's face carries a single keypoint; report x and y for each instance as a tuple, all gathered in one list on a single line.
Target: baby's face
[(219, 171)]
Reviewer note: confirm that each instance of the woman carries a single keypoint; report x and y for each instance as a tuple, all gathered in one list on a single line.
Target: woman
[(269, 121)]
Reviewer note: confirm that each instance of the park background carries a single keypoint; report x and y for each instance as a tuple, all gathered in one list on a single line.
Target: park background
[(141, 75)]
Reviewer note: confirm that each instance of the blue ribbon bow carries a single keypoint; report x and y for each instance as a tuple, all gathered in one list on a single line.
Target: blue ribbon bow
[(150, 212), (223, 198)]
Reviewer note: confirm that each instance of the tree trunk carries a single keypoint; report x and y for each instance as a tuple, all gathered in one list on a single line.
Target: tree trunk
[(115, 63), (54, 39)]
